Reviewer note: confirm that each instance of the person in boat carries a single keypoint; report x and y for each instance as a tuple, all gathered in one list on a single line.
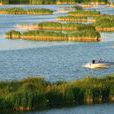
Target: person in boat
[(93, 61), (100, 60)]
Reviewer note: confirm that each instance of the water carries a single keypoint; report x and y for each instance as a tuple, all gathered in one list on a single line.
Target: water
[(53, 60), (104, 9), (91, 109)]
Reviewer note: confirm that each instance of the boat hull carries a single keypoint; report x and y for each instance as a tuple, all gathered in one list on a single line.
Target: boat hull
[(97, 65)]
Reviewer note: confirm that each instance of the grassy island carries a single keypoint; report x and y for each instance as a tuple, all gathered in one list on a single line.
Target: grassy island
[(75, 19), (56, 26), (89, 35), (89, 4), (105, 23), (34, 93), (55, 31), (21, 11), (85, 13)]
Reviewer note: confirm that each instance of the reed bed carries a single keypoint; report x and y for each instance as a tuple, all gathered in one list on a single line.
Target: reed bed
[(75, 19), (78, 36), (100, 2), (21, 11), (56, 26), (83, 13), (36, 93), (105, 23)]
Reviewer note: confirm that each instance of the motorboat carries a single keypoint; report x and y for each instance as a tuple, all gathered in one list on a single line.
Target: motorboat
[(98, 65)]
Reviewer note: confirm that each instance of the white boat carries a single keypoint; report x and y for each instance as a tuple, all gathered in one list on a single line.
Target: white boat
[(98, 65)]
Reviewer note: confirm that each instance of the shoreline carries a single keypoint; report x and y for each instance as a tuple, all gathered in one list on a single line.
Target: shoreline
[(105, 29), (29, 13), (51, 38)]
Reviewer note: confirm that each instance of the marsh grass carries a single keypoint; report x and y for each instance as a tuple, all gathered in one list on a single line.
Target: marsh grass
[(34, 93)]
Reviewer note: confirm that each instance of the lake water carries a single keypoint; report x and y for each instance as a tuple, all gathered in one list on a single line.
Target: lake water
[(53, 60), (93, 109)]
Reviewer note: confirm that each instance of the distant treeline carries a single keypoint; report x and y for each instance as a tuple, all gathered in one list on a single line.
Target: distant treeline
[(48, 1), (35, 93)]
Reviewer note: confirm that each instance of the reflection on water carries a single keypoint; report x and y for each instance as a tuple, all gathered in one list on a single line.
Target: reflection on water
[(53, 7), (91, 109), (8, 44), (109, 36)]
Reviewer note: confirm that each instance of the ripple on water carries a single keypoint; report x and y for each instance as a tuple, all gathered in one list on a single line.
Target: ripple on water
[(55, 62)]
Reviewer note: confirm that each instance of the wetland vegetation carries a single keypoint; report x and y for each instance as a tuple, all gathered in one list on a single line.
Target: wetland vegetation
[(35, 93), (105, 23), (84, 13), (57, 26), (55, 31), (75, 19), (38, 35), (21, 11)]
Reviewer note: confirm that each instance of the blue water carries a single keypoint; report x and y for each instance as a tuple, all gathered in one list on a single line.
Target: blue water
[(91, 109), (53, 60)]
